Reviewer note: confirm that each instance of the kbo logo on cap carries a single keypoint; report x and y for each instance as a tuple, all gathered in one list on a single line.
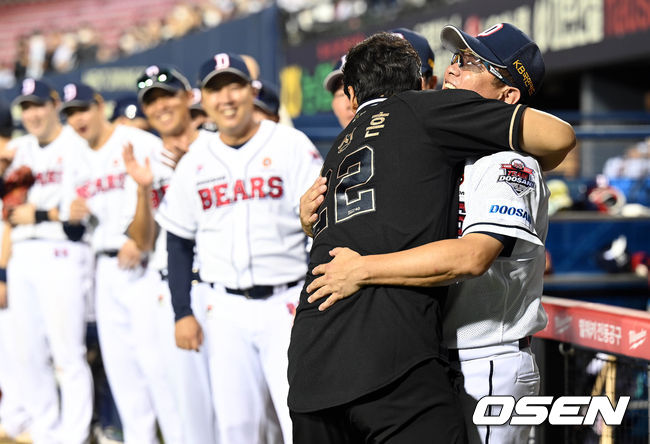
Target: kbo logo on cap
[(222, 61), (29, 86), (69, 92)]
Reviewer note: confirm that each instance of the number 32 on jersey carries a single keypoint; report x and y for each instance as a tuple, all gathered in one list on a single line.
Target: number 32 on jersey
[(352, 195)]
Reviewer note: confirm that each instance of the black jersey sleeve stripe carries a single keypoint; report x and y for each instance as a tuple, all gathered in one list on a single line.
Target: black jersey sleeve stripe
[(515, 127), (503, 226)]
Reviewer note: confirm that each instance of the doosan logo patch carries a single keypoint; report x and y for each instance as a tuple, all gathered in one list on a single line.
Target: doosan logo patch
[(518, 176)]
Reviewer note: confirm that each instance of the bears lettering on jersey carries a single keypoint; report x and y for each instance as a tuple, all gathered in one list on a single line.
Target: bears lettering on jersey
[(48, 177), (157, 195), (226, 193), (101, 185)]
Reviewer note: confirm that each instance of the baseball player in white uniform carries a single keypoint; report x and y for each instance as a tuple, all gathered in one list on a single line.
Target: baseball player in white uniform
[(237, 199), (136, 370), (503, 223), (46, 277), (166, 97)]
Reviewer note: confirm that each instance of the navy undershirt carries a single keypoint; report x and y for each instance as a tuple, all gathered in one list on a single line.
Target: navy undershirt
[(180, 256), (507, 241)]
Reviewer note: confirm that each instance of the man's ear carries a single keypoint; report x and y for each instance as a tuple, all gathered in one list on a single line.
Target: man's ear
[(511, 95), (353, 99)]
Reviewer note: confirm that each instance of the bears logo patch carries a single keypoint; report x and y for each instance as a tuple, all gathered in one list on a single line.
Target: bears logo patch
[(518, 176)]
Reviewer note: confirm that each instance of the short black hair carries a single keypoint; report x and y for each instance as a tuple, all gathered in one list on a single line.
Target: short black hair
[(382, 65)]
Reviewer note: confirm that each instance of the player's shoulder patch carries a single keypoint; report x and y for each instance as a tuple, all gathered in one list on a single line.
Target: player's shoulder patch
[(518, 176)]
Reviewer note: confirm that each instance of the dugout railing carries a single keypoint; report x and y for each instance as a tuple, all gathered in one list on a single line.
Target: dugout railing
[(590, 349)]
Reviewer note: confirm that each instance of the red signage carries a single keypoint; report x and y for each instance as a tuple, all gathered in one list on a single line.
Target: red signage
[(622, 331)]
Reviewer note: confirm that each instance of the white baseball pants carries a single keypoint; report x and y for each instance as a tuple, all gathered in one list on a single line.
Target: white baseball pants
[(137, 373), (46, 284), (13, 416), (501, 370), (247, 342), (188, 369)]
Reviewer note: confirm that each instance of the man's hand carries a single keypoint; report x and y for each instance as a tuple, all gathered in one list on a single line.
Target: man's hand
[(3, 295), (189, 335), (78, 210), (129, 256), (175, 149), (340, 278), (140, 173), (309, 203), (23, 214)]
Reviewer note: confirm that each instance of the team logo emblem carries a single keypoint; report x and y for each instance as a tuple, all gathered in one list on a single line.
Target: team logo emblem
[(152, 71), (346, 141), (518, 176), (29, 86), (69, 92)]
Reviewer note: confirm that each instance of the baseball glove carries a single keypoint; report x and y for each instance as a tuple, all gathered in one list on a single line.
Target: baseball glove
[(15, 189)]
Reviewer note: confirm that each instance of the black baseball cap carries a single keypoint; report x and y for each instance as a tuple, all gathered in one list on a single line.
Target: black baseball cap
[(224, 62), (267, 96), (78, 95), (35, 91), (162, 77), (333, 77), (128, 107), (505, 46), (421, 46)]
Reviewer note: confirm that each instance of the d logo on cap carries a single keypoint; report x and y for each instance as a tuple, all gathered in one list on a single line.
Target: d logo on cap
[(222, 61), (69, 92), (29, 86)]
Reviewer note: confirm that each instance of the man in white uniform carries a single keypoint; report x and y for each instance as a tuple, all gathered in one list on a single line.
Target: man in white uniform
[(14, 419), (46, 277), (503, 221), (166, 96), (237, 198), (101, 198)]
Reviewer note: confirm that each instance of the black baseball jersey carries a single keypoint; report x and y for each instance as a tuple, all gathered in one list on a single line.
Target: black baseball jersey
[(391, 181)]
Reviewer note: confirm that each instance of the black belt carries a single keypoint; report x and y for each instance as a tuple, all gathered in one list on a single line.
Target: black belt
[(523, 343), (108, 253), (258, 291)]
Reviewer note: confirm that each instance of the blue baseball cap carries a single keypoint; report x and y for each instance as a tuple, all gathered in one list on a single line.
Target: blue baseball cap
[(505, 46), (224, 62), (128, 107), (78, 95), (267, 96), (162, 77), (332, 78), (421, 46), (35, 91)]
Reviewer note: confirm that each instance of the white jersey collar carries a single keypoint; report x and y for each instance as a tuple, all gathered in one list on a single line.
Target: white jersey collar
[(370, 103)]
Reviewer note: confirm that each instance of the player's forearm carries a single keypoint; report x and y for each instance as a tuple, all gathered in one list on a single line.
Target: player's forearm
[(143, 227), (434, 264), (546, 137)]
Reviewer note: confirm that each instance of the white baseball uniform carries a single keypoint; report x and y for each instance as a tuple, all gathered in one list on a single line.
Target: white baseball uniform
[(241, 206), (188, 369), (134, 364), (503, 194), (47, 277), (13, 415)]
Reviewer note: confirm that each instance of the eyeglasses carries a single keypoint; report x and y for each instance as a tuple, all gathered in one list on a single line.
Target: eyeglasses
[(146, 81), (468, 60)]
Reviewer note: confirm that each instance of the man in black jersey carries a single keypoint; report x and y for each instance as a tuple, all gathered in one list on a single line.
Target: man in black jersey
[(371, 369)]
